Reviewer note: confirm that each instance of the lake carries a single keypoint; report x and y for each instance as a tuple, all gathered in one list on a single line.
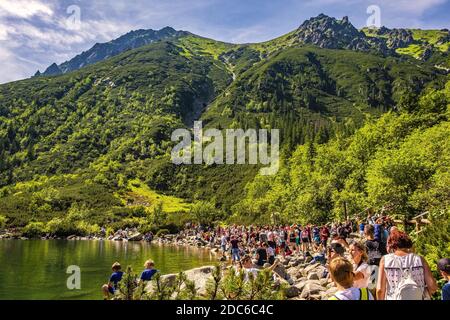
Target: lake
[(36, 269)]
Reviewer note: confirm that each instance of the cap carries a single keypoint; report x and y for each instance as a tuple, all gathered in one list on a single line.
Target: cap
[(444, 265)]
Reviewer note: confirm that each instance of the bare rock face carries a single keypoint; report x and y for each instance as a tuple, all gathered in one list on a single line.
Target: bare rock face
[(327, 32)]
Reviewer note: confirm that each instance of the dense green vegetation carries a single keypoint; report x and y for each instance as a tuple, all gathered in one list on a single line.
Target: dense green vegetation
[(91, 148)]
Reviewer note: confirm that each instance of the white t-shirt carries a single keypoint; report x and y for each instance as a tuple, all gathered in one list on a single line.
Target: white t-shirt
[(365, 270), (247, 271), (350, 294), (223, 241)]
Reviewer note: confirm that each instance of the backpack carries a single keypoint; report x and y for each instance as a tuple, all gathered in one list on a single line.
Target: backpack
[(407, 288), (363, 295), (374, 254)]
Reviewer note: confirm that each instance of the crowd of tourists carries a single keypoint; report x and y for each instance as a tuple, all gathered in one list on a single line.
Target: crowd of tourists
[(366, 259)]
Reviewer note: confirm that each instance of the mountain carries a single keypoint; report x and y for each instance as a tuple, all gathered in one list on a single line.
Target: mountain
[(327, 32), (102, 51), (431, 46), (92, 142)]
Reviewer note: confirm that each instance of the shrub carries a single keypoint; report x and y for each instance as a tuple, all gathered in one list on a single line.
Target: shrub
[(62, 227), (34, 229), (2, 222), (162, 232)]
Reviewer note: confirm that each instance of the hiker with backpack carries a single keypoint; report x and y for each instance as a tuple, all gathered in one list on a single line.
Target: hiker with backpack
[(404, 275), (373, 247)]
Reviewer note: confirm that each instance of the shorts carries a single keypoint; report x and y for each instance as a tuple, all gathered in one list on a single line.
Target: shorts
[(305, 240), (111, 290)]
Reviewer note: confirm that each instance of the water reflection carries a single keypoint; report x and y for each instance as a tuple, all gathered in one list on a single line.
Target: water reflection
[(36, 269)]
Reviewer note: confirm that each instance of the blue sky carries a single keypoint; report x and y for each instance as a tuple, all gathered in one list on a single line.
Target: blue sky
[(36, 33)]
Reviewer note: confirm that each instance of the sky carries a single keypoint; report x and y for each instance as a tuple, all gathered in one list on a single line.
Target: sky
[(36, 33)]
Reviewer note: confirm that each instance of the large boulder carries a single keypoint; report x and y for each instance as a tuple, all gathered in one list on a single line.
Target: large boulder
[(313, 276), (292, 292), (136, 237), (310, 268), (198, 275), (281, 271), (311, 288)]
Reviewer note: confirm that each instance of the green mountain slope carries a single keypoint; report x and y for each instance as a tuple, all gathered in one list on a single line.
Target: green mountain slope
[(72, 145)]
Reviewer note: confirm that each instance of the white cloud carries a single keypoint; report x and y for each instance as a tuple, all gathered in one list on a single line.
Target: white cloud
[(13, 68), (25, 8)]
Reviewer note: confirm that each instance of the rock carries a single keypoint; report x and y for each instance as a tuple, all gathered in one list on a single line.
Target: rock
[(323, 282), (281, 271), (313, 276), (136, 237), (311, 288), (310, 268), (199, 275), (294, 263), (291, 292), (301, 285), (71, 237), (330, 33)]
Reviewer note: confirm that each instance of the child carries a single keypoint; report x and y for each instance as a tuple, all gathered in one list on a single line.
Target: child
[(444, 268), (149, 271), (116, 276), (341, 272)]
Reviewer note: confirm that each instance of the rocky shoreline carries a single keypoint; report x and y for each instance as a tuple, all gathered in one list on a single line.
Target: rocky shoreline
[(302, 279)]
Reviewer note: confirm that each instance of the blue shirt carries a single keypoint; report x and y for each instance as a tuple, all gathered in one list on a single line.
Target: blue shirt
[(446, 291), (116, 277), (147, 274)]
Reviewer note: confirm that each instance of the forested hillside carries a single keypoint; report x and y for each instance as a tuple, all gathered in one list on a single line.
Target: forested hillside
[(362, 125)]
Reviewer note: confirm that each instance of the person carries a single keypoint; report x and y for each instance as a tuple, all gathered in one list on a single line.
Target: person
[(444, 268), (362, 270), (270, 254), (336, 238), (223, 243), (324, 235), (373, 249), (393, 279), (341, 272), (316, 238), (116, 276), (149, 271), (261, 254), (234, 249), (335, 250), (361, 228), (249, 268), (305, 240)]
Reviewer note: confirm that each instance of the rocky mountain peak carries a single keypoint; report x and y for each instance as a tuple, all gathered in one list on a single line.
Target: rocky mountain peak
[(331, 33)]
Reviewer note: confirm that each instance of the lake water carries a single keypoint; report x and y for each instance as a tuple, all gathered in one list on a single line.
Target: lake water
[(36, 269)]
